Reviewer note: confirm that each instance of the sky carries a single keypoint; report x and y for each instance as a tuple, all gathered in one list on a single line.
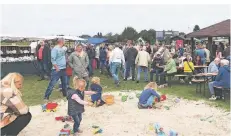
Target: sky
[(45, 20)]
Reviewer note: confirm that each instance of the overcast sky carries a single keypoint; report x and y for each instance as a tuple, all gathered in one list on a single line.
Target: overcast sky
[(43, 20)]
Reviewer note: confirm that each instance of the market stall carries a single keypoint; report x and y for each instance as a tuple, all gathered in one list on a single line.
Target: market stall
[(17, 59)]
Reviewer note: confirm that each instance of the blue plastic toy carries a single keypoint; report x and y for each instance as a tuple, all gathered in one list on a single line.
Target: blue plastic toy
[(173, 133), (159, 130)]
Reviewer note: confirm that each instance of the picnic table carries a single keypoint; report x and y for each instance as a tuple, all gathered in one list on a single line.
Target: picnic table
[(204, 80)]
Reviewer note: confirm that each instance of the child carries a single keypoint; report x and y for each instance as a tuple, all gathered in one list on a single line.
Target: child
[(95, 86), (147, 96), (198, 61), (76, 102)]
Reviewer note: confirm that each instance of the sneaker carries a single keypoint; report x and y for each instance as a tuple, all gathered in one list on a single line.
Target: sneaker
[(129, 78), (190, 83), (75, 134), (213, 97), (137, 81)]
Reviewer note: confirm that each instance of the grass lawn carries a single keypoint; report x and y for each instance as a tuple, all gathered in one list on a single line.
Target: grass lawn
[(33, 90)]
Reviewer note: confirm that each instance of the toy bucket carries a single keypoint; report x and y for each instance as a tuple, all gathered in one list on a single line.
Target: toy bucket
[(109, 99)]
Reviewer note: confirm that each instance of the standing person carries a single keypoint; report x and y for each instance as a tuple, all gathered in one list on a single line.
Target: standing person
[(97, 56), (116, 60), (126, 47), (148, 48), (79, 62), (207, 52), (201, 52), (91, 56), (102, 58), (15, 115), (227, 52), (142, 60), (76, 103), (130, 57), (109, 54), (58, 60), (214, 48), (43, 54)]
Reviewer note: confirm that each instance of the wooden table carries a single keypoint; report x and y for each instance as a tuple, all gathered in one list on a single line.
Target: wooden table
[(205, 80)]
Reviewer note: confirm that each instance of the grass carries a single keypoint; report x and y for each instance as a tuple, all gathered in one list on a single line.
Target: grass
[(33, 90)]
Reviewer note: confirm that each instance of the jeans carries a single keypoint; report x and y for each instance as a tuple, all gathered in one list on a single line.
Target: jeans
[(163, 76), (211, 89), (115, 67), (189, 75), (55, 76), (102, 65), (145, 69), (149, 101), (68, 82), (43, 69), (130, 66), (90, 67), (77, 120), (17, 125), (157, 72)]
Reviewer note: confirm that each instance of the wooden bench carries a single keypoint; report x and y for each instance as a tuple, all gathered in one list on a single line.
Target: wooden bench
[(222, 93), (199, 83)]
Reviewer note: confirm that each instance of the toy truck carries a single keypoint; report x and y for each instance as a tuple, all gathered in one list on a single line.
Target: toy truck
[(49, 107)]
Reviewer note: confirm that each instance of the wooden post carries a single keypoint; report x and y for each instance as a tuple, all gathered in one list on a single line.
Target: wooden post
[(210, 42)]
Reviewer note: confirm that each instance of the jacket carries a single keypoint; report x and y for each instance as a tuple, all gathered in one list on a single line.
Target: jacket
[(46, 57), (102, 54), (130, 55), (142, 58), (223, 77), (11, 106), (171, 66), (91, 53), (188, 67), (96, 88), (156, 61), (74, 108), (213, 68), (79, 64)]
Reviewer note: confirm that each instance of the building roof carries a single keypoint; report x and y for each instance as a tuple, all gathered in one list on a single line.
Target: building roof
[(221, 29)]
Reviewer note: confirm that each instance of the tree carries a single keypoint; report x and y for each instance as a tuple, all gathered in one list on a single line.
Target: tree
[(129, 33), (85, 36), (196, 28), (149, 36)]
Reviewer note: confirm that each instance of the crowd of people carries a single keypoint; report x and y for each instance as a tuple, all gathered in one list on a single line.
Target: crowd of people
[(161, 60)]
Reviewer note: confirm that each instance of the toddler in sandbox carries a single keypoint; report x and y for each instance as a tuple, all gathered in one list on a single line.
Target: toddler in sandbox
[(95, 86), (147, 96), (76, 102)]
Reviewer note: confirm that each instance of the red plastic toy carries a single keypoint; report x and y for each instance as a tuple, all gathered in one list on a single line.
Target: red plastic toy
[(162, 98), (64, 118), (51, 105)]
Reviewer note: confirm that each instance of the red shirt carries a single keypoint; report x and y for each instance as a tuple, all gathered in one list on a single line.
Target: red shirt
[(40, 53)]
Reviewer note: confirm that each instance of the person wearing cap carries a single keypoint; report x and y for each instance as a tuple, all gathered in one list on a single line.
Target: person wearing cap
[(116, 60), (43, 54), (79, 62), (58, 61)]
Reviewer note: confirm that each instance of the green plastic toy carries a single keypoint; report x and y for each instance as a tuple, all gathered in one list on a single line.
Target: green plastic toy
[(124, 98)]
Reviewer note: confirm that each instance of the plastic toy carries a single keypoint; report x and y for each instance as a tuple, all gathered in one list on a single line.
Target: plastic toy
[(159, 130), (173, 133), (66, 131), (124, 98), (162, 98), (64, 118), (97, 131), (49, 107)]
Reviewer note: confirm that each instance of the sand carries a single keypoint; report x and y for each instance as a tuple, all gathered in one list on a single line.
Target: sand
[(125, 119)]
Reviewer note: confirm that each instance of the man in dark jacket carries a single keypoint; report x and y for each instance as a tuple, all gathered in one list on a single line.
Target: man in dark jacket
[(130, 57), (148, 48), (102, 58), (91, 55), (43, 54)]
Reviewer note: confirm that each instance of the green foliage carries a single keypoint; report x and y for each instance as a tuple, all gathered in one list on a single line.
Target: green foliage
[(196, 28), (129, 33)]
